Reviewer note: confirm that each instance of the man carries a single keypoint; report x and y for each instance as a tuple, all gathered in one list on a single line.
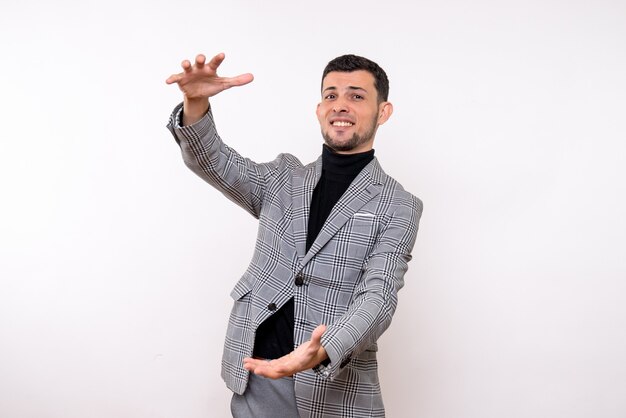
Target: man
[(334, 241)]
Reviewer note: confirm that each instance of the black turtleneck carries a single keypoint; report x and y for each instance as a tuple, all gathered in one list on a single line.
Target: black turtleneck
[(338, 171), (274, 337)]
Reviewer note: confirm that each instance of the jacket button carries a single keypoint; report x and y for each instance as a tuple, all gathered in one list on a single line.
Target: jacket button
[(299, 280), (271, 306)]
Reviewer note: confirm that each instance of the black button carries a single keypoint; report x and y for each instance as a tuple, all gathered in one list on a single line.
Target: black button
[(271, 306), (299, 280)]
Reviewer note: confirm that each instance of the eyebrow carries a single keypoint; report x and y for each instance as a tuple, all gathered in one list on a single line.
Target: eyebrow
[(349, 87)]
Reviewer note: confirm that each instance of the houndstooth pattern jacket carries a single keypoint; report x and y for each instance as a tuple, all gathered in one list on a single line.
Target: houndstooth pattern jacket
[(348, 279)]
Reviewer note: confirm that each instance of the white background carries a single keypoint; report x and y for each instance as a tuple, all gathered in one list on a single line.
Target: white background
[(116, 262)]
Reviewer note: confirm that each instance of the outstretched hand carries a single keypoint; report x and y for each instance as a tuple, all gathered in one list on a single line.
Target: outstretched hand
[(199, 81), (304, 357)]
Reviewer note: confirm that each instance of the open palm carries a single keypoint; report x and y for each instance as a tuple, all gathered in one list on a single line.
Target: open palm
[(200, 80), (306, 356)]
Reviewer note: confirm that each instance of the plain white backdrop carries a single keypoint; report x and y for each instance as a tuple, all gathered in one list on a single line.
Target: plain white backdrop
[(116, 262)]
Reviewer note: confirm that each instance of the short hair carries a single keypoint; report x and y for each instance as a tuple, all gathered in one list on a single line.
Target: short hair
[(349, 63)]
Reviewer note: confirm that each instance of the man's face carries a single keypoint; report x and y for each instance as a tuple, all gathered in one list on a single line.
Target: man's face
[(349, 113)]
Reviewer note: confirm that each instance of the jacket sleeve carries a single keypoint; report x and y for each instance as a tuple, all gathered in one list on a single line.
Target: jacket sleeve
[(376, 297), (240, 179)]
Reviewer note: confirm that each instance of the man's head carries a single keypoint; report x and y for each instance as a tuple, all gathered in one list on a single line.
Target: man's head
[(349, 63), (354, 103)]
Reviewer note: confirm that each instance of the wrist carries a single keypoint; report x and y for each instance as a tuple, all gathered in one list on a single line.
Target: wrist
[(194, 110), (322, 356)]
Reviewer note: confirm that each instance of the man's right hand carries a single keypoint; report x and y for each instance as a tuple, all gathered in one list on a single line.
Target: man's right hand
[(200, 81)]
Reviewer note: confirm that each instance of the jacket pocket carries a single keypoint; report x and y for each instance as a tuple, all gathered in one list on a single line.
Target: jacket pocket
[(242, 288)]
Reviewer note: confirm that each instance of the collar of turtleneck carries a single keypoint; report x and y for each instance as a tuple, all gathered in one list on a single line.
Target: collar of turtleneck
[(344, 164)]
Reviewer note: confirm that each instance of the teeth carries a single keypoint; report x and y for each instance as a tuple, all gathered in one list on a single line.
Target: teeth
[(341, 123)]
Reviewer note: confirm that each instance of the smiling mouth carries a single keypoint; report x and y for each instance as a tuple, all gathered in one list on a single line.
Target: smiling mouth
[(342, 124)]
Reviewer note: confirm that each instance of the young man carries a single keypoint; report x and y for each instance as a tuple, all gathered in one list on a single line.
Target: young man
[(335, 237)]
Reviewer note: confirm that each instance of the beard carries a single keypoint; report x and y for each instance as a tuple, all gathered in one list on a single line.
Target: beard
[(353, 142)]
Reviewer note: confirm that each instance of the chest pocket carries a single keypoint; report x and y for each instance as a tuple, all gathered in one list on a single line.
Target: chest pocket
[(356, 238)]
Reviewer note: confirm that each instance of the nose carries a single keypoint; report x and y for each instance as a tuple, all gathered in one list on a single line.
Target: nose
[(340, 106)]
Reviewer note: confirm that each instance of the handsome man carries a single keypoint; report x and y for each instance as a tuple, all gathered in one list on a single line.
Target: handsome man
[(335, 237)]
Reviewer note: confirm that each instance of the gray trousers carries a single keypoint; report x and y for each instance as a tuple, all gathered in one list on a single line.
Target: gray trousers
[(266, 398)]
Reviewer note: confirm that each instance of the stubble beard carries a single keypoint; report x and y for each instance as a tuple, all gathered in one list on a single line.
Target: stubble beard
[(353, 142)]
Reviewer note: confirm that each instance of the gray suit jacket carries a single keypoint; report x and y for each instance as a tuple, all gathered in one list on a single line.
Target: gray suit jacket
[(348, 280)]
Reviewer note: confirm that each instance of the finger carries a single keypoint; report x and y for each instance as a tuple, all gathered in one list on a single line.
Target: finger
[(272, 369), (174, 78), (239, 80), (267, 370), (186, 65), (252, 365), (200, 60), (216, 61)]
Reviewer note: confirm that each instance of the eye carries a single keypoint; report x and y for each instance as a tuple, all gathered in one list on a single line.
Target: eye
[(357, 97), (330, 96)]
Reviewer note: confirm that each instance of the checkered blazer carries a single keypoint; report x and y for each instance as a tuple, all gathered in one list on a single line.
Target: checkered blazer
[(348, 279)]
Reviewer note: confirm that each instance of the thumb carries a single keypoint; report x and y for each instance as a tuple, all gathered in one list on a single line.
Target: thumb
[(316, 335), (239, 80)]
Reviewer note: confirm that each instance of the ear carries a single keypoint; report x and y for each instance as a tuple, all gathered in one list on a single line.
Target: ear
[(385, 109), (317, 110)]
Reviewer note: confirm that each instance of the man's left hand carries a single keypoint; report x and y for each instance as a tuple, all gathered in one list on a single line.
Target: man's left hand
[(304, 357)]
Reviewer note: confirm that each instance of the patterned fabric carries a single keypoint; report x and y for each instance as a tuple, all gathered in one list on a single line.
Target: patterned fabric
[(348, 279)]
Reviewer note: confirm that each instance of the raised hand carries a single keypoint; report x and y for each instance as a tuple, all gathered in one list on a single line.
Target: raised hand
[(200, 81), (304, 357)]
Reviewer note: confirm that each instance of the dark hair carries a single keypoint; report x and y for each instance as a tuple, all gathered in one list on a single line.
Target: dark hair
[(349, 63)]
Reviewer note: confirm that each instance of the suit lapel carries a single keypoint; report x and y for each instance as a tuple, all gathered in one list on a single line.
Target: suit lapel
[(304, 181), (365, 186)]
